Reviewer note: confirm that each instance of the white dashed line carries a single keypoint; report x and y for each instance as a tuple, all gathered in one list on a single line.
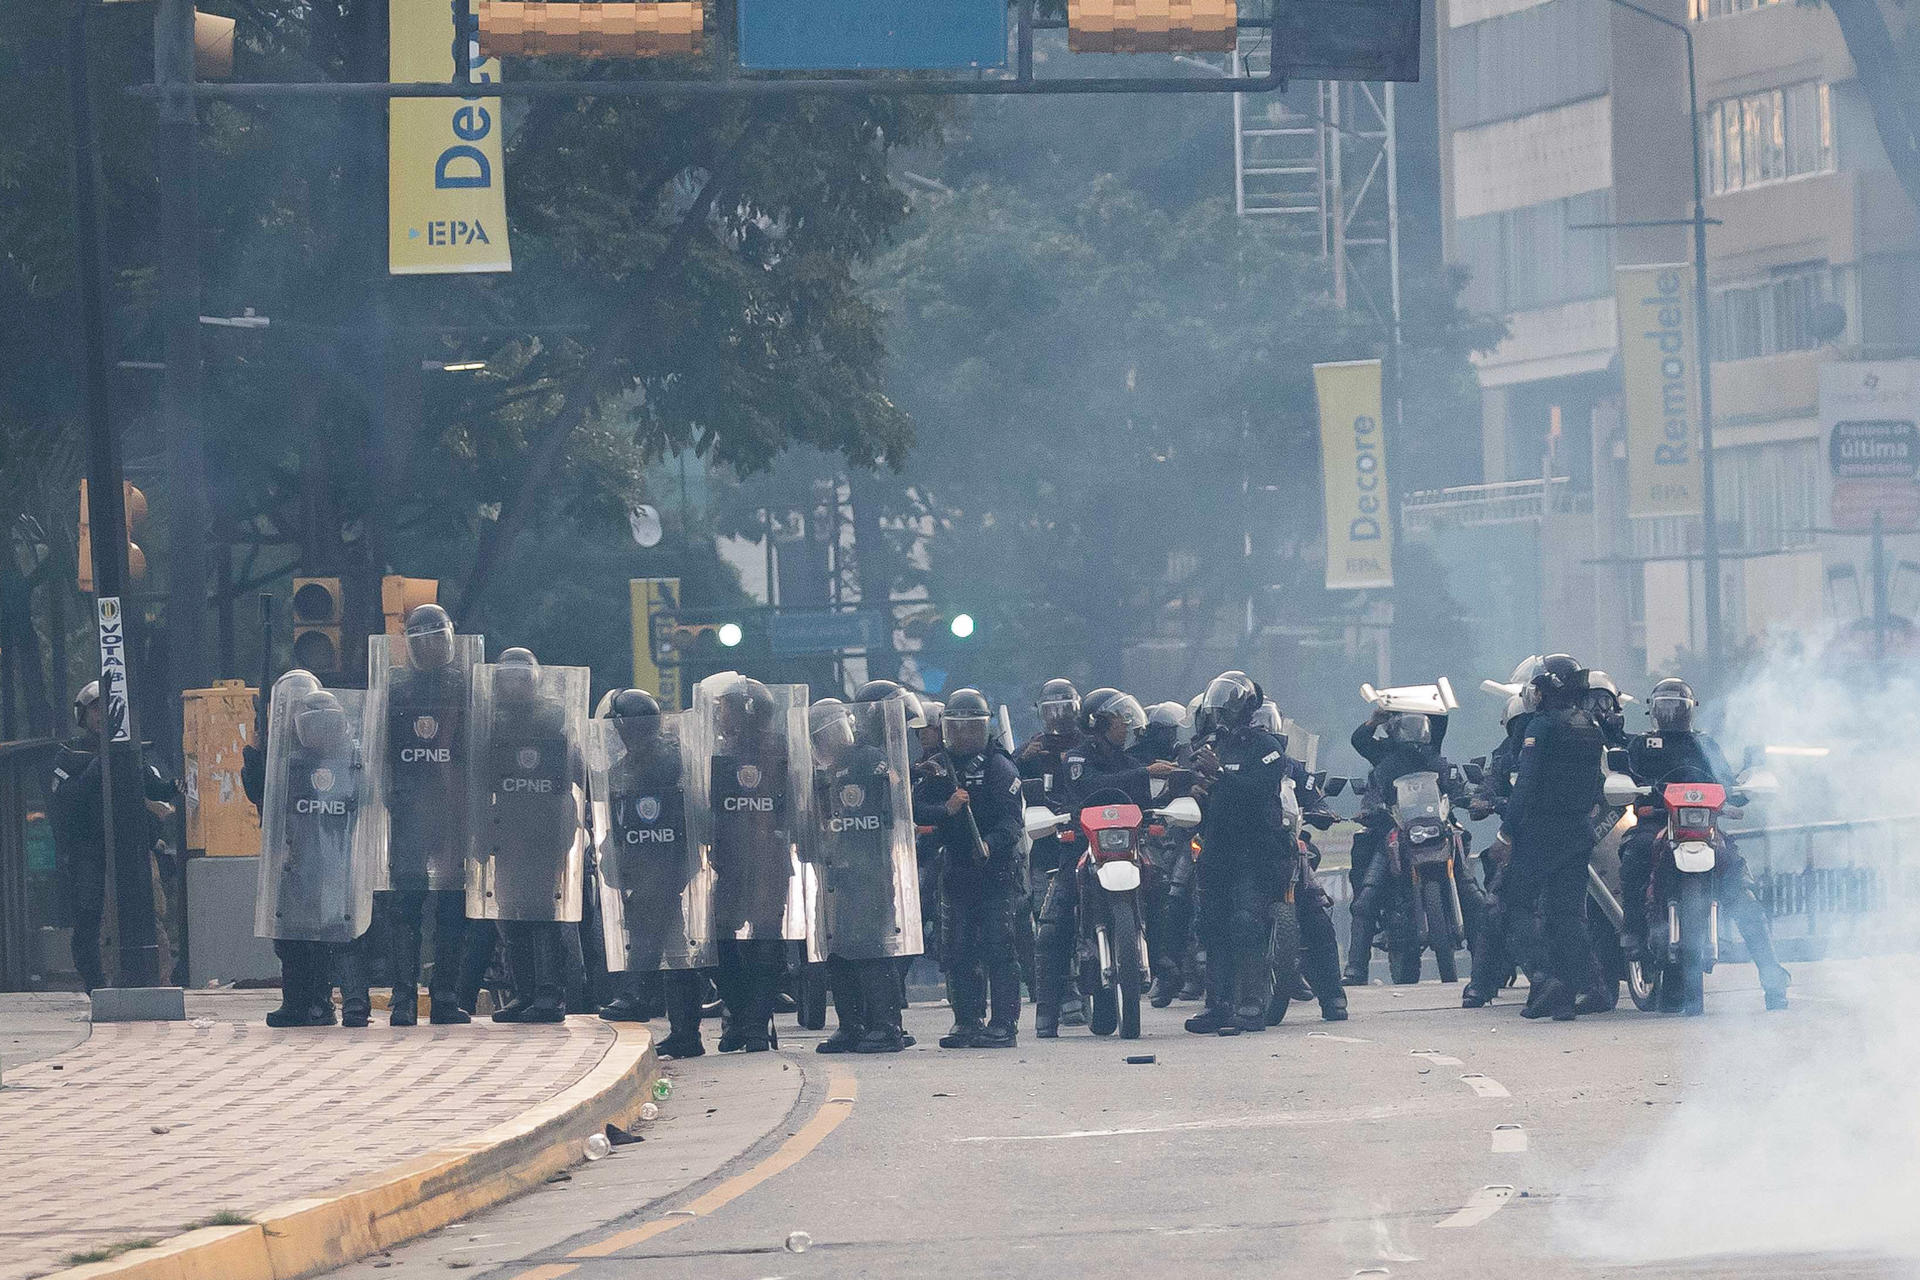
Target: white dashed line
[(1484, 1086), (1508, 1139), (1437, 1058), (1486, 1202), (1328, 1035)]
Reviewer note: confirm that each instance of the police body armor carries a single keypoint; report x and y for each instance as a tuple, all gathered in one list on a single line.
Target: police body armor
[(649, 819), (528, 823), (427, 770), (866, 887), (316, 847), (760, 791)]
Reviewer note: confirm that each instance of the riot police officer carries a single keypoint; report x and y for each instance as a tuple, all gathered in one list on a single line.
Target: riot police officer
[(1247, 856), (1043, 771), (1493, 963), (656, 911), (426, 688), (1675, 751), (1319, 952), (977, 797), (1395, 744), (1168, 921), (1097, 762), (1550, 828)]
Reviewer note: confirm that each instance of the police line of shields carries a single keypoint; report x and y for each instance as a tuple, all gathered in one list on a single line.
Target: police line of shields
[(528, 831), (318, 858), (650, 825), (418, 690), (760, 797), (866, 881)]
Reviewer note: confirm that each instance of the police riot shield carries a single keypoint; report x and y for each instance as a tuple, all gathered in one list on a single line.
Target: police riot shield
[(649, 790), (425, 774), (317, 852), (866, 882), (760, 792), (528, 820)]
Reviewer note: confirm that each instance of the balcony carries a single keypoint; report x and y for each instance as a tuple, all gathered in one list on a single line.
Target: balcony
[(1477, 505)]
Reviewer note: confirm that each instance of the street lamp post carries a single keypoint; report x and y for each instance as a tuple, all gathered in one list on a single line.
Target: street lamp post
[(1709, 515)]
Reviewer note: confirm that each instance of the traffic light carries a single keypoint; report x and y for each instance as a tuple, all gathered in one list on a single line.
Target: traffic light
[(136, 504), (580, 28), (400, 596), (1151, 26), (961, 625), (212, 46), (318, 611)]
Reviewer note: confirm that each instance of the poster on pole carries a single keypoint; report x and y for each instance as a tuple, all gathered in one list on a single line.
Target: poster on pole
[(1353, 460), (654, 602), (1661, 377), (446, 176), (1870, 426), (113, 668)]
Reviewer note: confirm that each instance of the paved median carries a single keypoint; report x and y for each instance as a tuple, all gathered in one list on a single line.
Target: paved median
[(221, 1148)]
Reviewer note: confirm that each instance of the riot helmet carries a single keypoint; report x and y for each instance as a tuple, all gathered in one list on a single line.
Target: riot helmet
[(1164, 722), (636, 717), (1602, 702), (1101, 708), (931, 709), (517, 675), (889, 690), (1410, 728), (1267, 718), (1059, 707), (1557, 681), (966, 725), (1230, 701), (746, 709), (1516, 706), (830, 726), (321, 723), (429, 637), (1523, 677), (84, 701), (1672, 704), (296, 683)]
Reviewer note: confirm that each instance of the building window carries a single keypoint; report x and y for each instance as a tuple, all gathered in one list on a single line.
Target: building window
[(1775, 314), (1699, 10), (1538, 256), (1769, 136)]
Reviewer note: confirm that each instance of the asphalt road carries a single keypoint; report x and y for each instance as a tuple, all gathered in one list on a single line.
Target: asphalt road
[(1416, 1140)]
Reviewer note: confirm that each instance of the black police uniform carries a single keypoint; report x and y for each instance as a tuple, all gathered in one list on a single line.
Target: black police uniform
[(1319, 944), (858, 919), (426, 824), (1658, 757), (979, 899), (752, 853), (1043, 771), (532, 823), (1390, 761), (648, 812), (1550, 825), (1247, 859), (1168, 923), (316, 882), (1092, 765), (76, 804)]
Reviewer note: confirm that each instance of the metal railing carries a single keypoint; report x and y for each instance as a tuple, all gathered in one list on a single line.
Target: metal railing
[(1840, 880), (1466, 506)]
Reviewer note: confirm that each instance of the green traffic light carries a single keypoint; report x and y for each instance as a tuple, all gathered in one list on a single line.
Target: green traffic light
[(730, 634), (961, 626)]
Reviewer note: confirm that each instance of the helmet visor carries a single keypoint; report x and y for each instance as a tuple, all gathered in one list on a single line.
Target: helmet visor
[(1127, 708), (964, 735), (1058, 714), (1410, 727), (1672, 712)]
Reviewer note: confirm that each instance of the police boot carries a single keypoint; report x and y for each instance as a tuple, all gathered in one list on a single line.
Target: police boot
[(1046, 1022), (963, 1035), (1165, 987), (1355, 973), (403, 1010), (849, 1009), (1334, 1008), (1073, 1012), (1302, 989), (446, 1012), (1211, 1021), (355, 1010), (623, 1009), (998, 1035), (1552, 999)]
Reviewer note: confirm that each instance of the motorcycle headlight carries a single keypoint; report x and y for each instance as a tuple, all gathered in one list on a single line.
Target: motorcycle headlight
[(1424, 831)]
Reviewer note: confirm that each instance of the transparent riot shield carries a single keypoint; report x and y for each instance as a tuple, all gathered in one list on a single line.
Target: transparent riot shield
[(420, 837), (866, 882), (650, 835), (528, 820), (760, 792), (1302, 743), (317, 852)]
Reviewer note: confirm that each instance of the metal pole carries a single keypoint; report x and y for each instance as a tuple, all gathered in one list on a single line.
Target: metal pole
[(1703, 356), (1878, 557), (123, 820), (1337, 198), (189, 648)]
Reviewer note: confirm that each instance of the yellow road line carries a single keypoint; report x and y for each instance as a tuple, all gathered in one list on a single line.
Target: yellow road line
[(842, 1089)]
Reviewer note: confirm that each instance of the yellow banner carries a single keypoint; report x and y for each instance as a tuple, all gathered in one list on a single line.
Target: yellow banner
[(1661, 380), (651, 598), (446, 180), (1353, 463)]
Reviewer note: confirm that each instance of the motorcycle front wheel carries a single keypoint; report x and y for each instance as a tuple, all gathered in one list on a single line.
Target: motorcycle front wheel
[(1127, 962), (1403, 948), (1642, 986), (1437, 907), (1696, 939)]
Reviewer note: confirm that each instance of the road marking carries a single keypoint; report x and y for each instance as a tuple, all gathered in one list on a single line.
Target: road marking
[(1508, 1139), (1271, 1120), (1485, 1086), (1437, 1058), (1328, 1035), (1486, 1202), (842, 1089)]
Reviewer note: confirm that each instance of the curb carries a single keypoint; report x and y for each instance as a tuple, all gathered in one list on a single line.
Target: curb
[(302, 1237)]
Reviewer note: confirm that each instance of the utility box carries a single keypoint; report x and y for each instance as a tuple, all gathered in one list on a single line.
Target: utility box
[(217, 724), (221, 946)]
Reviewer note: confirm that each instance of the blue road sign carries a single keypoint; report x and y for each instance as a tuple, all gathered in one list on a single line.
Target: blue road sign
[(798, 633), (854, 35)]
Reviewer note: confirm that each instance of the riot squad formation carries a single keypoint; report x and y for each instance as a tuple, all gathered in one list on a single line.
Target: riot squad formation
[(761, 853)]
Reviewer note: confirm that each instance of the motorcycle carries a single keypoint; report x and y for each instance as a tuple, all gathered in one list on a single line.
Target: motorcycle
[(1426, 855), (1114, 967), (1688, 856)]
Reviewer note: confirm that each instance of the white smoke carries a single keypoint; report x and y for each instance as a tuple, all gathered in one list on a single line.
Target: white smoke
[(1793, 1133)]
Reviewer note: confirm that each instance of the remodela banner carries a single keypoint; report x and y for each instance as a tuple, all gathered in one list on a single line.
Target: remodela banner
[(446, 198), (1661, 376), (1353, 461)]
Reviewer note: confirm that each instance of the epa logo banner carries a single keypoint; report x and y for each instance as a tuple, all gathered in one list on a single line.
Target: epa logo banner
[(446, 178)]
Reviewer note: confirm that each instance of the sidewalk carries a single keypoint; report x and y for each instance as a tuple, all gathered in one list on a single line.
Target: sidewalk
[(148, 1130)]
